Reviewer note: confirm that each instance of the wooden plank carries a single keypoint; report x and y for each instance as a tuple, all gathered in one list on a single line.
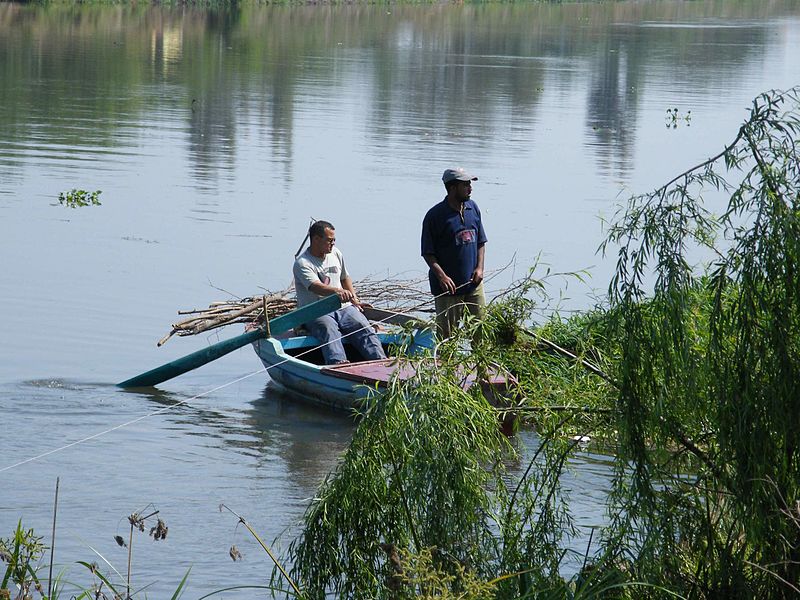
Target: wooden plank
[(206, 355), (370, 372)]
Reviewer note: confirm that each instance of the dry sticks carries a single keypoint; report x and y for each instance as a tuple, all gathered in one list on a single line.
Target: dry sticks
[(219, 314), (395, 294)]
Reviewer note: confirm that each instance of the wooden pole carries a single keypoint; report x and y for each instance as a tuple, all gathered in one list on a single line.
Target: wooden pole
[(583, 362)]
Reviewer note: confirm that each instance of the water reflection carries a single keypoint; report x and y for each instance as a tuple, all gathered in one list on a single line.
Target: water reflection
[(75, 79), (612, 106), (275, 425), (215, 134), (307, 439)]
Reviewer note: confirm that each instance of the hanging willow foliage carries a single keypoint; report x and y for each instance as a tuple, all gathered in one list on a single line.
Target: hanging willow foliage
[(710, 369), (699, 390), (423, 503)]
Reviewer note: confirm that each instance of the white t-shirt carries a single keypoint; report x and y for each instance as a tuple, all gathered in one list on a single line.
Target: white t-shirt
[(309, 269)]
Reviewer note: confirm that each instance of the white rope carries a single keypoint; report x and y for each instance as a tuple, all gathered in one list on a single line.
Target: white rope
[(126, 424), (200, 395)]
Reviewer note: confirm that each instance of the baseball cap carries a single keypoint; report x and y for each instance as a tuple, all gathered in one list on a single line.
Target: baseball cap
[(457, 173)]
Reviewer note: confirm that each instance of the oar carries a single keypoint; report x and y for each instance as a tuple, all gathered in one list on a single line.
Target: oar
[(206, 355)]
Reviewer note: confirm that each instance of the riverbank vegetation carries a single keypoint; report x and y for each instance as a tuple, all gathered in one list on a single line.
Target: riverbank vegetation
[(702, 363), (688, 373)]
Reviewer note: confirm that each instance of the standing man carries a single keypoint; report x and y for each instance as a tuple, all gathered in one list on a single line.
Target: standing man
[(453, 245), (320, 272)]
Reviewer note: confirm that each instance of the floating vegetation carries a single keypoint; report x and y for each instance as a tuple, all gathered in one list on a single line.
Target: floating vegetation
[(79, 198), (674, 117)]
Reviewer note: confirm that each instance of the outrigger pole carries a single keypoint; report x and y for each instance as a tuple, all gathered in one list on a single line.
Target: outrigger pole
[(197, 359)]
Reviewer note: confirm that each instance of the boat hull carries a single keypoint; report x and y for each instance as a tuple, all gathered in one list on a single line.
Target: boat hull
[(290, 363), (343, 388)]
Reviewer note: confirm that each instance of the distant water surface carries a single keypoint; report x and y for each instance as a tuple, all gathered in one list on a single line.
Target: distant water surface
[(215, 135)]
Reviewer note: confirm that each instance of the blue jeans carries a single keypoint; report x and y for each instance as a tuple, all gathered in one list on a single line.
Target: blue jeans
[(348, 320)]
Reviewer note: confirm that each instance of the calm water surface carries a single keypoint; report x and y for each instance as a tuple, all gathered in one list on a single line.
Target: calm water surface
[(216, 135)]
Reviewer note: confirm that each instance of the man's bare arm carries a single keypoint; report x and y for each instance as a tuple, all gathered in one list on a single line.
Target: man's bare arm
[(345, 295), (477, 274), (444, 279)]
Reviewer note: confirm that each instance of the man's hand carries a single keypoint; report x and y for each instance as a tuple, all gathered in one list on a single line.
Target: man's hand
[(360, 305), (477, 276), (447, 284), (345, 295)]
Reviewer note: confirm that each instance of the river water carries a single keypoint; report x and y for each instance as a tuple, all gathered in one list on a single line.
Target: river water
[(215, 135)]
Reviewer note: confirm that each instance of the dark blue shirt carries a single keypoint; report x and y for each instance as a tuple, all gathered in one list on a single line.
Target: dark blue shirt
[(453, 242)]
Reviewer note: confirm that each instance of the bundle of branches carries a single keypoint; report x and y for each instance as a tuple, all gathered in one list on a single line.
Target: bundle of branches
[(218, 314), (398, 295), (408, 296)]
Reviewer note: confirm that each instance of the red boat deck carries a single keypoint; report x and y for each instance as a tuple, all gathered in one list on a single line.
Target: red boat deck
[(371, 372), (378, 372)]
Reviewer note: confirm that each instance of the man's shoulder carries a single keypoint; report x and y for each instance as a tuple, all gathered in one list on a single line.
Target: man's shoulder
[(437, 209), (307, 260), (302, 257)]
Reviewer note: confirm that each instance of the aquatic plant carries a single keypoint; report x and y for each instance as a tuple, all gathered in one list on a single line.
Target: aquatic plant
[(235, 554), (77, 198), (24, 549), (21, 553), (137, 521)]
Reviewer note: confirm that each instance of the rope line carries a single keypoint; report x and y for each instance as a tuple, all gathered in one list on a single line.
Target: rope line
[(127, 423), (210, 391)]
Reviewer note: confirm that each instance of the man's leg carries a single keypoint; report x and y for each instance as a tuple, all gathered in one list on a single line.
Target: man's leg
[(448, 313), (362, 337), (475, 301), (326, 330), (450, 310)]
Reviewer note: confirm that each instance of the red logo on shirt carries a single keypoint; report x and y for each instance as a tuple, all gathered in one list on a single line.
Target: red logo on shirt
[(465, 236)]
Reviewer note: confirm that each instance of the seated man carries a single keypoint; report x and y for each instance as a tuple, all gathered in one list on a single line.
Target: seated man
[(319, 272)]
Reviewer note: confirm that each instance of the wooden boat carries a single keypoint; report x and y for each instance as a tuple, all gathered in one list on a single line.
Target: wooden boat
[(295, 362)]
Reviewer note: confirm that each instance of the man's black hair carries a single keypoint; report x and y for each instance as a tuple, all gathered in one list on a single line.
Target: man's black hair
[(318, 228)]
